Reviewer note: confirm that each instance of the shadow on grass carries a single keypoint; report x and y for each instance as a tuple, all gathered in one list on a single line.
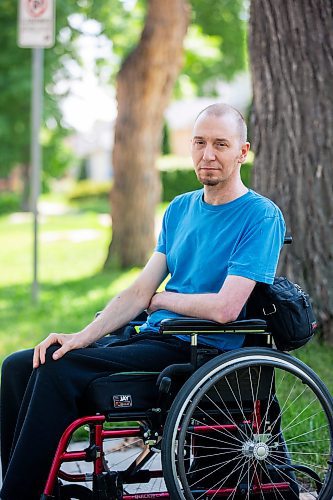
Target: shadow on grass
[(64, 307)]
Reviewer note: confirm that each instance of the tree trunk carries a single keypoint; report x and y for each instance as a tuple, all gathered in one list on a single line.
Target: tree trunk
[(144, 87), (291, 48)]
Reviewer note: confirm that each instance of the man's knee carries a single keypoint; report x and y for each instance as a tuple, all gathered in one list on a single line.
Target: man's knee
[(52, 366), (51, 363), (16, 362)]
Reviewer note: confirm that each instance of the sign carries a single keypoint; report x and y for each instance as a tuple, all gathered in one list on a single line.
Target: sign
[(36, 20)]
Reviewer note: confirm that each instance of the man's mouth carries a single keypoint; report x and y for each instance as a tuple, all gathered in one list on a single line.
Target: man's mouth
[(208, 168)]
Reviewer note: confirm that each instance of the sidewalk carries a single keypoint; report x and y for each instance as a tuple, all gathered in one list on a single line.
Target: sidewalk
[(84, 467), (117, 459)]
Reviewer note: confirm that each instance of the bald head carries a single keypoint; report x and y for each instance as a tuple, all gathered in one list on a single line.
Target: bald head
[(220, 110)]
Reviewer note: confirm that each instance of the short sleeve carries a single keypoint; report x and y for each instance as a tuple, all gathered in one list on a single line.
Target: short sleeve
[(256, 254), (161, 241)]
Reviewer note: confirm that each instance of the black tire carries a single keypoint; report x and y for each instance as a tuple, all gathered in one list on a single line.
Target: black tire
[(75, 492), (265, 390)]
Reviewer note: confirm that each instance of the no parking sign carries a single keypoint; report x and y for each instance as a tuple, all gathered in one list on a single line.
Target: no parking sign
[(36, 21)]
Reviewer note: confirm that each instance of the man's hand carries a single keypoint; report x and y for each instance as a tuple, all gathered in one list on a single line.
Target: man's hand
[(67, 342)]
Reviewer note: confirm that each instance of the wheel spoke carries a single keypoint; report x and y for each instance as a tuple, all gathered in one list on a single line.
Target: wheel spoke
[(229, 418), (282, 473), (293, 409)]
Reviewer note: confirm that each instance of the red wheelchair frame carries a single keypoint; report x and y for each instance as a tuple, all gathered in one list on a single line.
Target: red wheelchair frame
[(108, 484)]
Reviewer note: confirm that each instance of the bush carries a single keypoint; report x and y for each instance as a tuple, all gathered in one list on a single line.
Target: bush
[(246, 173), (9, 202), (89, 190), (177, 176), (175, 182)]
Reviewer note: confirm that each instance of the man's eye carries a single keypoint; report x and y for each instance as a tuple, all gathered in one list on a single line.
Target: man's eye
[(199, 143), (220, 144)]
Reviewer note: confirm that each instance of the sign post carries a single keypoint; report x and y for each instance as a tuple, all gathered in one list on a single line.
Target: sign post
[(36, 154), (36, 21)]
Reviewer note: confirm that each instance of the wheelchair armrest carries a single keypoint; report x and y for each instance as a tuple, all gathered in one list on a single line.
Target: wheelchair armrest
[(187, 326)]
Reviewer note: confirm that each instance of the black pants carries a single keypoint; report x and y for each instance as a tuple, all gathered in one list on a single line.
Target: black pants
[(37, 405)]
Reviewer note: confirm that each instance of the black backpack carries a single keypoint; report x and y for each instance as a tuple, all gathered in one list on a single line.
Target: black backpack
[(287, 310)]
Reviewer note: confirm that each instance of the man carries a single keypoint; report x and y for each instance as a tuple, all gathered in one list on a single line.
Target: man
[(216, 243)]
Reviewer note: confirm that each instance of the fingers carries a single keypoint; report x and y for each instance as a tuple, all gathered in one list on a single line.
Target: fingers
[(40, 349), (68, 346)]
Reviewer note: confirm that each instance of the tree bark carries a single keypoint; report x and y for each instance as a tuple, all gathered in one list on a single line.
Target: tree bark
[(144, 87), (291, 49)]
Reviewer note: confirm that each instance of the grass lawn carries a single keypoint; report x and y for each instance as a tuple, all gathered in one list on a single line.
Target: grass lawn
[(72, 288)]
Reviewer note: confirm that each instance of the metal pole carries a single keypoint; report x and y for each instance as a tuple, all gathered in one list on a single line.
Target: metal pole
[(36, 157)]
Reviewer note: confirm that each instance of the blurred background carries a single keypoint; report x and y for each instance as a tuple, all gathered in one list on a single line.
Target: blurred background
[(123, 84)]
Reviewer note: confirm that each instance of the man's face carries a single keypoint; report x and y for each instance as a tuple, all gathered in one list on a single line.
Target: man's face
[(217, 151)]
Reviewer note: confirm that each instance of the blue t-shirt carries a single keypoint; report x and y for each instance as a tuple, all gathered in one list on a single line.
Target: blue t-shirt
[(205, 243)]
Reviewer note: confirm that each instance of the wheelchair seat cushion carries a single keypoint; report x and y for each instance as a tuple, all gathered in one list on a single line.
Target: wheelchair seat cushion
[(123, 391)]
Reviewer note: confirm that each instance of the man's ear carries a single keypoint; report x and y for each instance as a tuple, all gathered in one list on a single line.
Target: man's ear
[(243, 152)]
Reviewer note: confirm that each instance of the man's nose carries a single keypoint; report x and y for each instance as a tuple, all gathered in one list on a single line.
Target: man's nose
[(209, 153)]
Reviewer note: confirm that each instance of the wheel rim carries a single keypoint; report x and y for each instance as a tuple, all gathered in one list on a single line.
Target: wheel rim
[(254, 453)]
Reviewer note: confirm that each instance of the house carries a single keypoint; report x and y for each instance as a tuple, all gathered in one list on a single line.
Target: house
[(94, 148), (181, 115)]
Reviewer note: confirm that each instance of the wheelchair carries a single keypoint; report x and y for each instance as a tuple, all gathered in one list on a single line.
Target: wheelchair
[(250, 423)]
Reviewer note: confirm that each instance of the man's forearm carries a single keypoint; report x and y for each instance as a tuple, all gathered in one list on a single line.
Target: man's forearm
[(206, 306), (223, 306), (122, 309)]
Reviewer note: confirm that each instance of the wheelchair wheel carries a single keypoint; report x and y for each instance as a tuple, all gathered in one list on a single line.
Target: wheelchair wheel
[(74, 492), (253, 423)]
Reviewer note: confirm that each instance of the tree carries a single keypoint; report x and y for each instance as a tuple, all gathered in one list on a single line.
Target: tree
[(220, 49), (144, 87), (216, 26), (215, 46), (15, 93), (291, 49)]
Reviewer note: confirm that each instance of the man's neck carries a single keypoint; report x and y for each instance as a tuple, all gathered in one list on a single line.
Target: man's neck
[(219, 195)]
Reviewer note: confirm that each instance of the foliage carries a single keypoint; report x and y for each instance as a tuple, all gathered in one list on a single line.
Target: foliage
[(89, 189), (215, 46), (91, 196), (166, 149), (57, 154), (210, 52), (178, 177), (9, 202), (246, 170), (175, 182), (15, 90), (120, 22)]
